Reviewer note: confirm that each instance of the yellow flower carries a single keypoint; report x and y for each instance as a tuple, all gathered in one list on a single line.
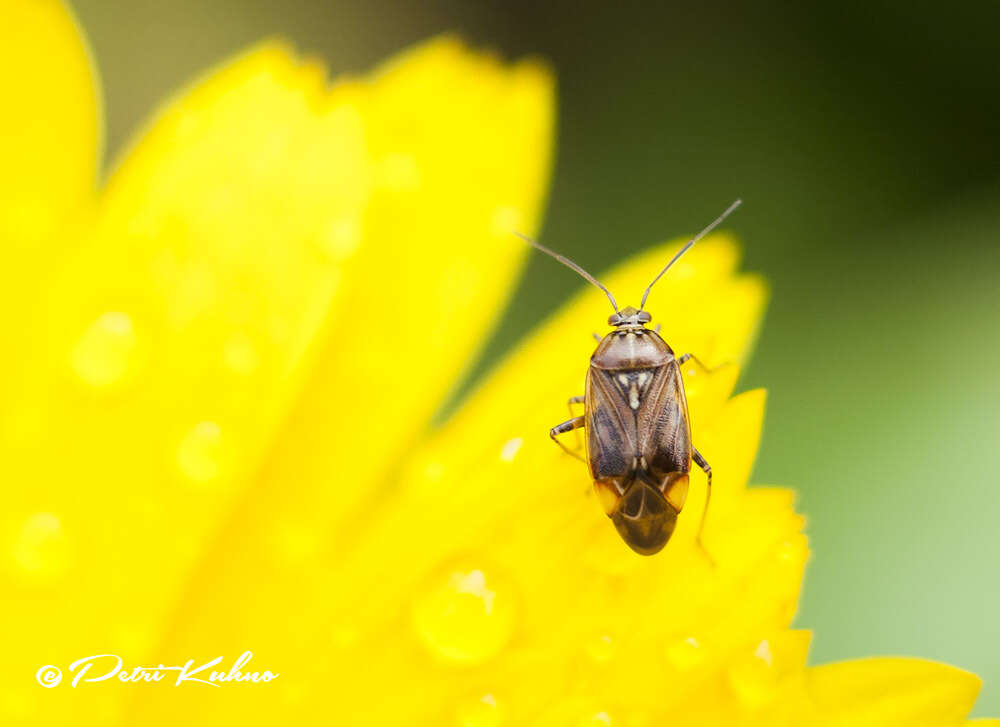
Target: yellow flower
[(219, 377)]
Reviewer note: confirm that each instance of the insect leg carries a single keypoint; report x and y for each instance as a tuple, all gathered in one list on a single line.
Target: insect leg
[(597, 337), (691, 357), (567, 426), (700, 461), (569, 405), (656, 328)]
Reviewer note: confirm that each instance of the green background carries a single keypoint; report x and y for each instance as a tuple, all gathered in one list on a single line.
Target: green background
[(863, 137)]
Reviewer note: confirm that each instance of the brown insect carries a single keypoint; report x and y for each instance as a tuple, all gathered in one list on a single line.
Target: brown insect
[(639, 446)]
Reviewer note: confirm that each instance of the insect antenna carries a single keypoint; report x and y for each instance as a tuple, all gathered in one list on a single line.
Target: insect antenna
[(572, 266), (688, 246)]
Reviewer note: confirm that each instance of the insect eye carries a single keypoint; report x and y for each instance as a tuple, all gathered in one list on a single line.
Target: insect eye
[(614, 320)]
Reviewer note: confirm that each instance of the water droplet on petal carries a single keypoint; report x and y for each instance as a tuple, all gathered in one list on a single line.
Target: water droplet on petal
[(789, 553), (41, 549), (763, 652), (482, 712), (510, 449), (464, 615), (598, 719), (199, 454), (601, 648), (685, 654), (105, 352), (342, 239), (754, 680)]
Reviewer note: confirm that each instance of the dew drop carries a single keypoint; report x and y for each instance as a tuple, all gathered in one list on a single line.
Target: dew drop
[(464, 616), (342, 239), (754, 680), (41, 549), (105, 352), (685, 654), (510, 449), (763, 652), (482, 712), (787, 552), (199, 454), (598, 719)]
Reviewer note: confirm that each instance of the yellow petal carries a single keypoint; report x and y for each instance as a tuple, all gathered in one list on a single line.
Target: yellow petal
[(48, 131), (169, 350), (471, 566), (50, 146), (891, 691), (459, 144), (437, 261), (245, 348), (491, 498), (258, 226)]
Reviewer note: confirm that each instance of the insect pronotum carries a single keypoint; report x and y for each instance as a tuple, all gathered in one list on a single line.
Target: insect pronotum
[(639, 446)]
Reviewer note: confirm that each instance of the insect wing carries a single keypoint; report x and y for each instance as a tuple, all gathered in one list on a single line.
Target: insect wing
[(662, 424), (611, 435)]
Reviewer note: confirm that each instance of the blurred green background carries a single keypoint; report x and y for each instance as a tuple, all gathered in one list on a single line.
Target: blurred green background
[(864, 137)]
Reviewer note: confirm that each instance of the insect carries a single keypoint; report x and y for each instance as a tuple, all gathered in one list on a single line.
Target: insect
[(638, 442)]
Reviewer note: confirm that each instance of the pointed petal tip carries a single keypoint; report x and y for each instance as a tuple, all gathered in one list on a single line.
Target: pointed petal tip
[(910, 689)]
